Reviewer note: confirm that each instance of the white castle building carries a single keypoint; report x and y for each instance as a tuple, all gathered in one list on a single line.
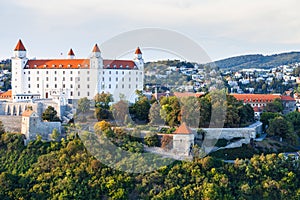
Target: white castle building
[(71, 79)]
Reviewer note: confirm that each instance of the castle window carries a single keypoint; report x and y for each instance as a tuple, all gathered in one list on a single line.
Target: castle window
[(103, 72), (78, 86), (116, 86), (122, 72), (123, 86), (129, 86), (64, 72), (88, 72), (47, 79), (136, 86), (88, 93), (24, 72), (109, 79), (55, 86), (78, 72), (109, 86), (64, 78), (38, 85), (78, 93), (47, 72), (71, 86), (129, 73), (64, 85), (137, 79), (28, 78), (116, 72), (47, 86), (60, 66), (71, 72), (115, 66), (88, 86), (103, 79), (71, 78), (28, 85), (117, 79), (109, 72), (38, 72), (88, 78), (55, 72), (123, 79), (129, 79), (127, 66), (71, 93)]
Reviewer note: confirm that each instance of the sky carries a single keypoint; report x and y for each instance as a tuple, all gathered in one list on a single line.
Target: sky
[(222, 28)]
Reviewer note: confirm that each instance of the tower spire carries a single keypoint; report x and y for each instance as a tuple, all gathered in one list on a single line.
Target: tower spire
[(71, 54), (20, 46)]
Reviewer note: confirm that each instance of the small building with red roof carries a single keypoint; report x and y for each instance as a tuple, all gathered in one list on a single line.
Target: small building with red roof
[(183, 140)]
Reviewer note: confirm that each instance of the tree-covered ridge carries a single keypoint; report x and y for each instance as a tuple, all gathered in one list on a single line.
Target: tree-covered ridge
[(66, 170), (258, 61)]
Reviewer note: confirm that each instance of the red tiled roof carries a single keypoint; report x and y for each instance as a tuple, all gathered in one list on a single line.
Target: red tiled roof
[(118, 64), (77, 64), (187, 94), (20, 46), (259, 98), (183, 129), (58, 64), (6, 95), (96, 48), (71, 53), (287, 98), (138, 51)]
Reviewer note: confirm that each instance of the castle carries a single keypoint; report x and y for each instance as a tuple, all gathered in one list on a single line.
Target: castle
[(71, 79)]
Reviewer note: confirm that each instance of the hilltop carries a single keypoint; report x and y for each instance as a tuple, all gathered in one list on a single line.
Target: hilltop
[(258, 61)]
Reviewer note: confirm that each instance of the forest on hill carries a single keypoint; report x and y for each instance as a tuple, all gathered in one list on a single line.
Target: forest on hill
[(258, 61), (66, 170)]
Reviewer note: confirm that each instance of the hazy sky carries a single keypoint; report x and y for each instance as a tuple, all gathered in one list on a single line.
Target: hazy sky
[(223, 28)]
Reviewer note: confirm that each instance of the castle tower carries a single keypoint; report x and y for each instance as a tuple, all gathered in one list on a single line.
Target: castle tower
[(183, 140), (96, 63), (20, 51), (138, 59), (71, 54), (18, 64)]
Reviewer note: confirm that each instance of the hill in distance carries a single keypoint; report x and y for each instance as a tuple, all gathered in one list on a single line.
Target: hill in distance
[(258, 61)]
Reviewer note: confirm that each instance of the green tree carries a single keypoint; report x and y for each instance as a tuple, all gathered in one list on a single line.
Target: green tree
[(102, 102), (55, 134), (190, 111), (83, 105), (154, 114), (282, 128), (140, 109), (275, 106), (170, 111), (50, 115), (266, 117), (120, 110), (2, 130), (151, 140)]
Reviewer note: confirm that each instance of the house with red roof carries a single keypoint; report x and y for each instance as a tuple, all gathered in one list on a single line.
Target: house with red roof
[(259, 101)]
